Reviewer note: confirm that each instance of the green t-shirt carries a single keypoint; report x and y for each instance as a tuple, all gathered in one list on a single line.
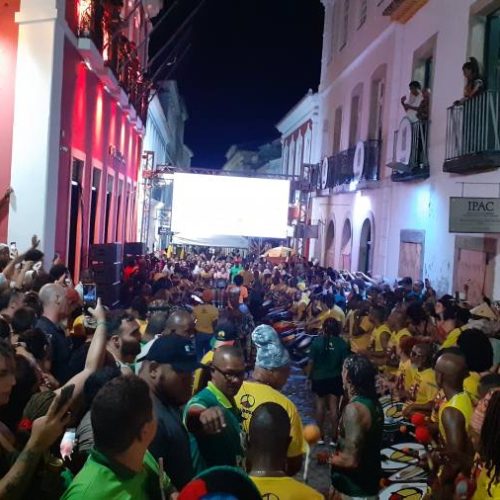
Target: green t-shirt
[(225, 448), (102, 478), (328, 355)]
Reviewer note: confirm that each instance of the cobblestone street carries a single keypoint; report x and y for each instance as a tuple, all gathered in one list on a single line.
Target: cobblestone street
[(296, 389)]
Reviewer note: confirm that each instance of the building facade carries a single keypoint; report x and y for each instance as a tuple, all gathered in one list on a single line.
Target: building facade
[(385, 181), (163, 145), (79, 108)]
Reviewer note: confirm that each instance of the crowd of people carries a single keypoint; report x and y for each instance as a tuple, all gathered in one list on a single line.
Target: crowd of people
[(179, 393)]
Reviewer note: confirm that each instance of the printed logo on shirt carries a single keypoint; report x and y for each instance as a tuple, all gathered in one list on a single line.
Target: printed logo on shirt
[(247, 401), (270, 496)]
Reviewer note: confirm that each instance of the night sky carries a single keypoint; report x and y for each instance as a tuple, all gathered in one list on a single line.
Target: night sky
[(249, 62)]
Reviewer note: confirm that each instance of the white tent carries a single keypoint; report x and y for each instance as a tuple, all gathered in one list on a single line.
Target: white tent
[(214, 240)]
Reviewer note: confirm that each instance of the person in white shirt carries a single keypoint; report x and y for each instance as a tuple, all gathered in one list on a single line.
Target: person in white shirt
[(412, 102)]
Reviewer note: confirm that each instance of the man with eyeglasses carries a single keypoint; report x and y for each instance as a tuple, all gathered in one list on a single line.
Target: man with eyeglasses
[(212, 417)]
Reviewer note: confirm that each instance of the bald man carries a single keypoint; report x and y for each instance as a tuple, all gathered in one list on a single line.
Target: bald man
[(212, 417), (180, 323), (268, 439), (454, 420), (55, 310)]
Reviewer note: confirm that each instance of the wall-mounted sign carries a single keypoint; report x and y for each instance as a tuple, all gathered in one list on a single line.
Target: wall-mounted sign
[(474, 215), (324, 173), (358, 163)]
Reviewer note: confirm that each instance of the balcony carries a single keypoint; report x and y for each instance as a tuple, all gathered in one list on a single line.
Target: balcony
[(402, 11), (110, 54), (472, 135), (354, 168), (410, 161)]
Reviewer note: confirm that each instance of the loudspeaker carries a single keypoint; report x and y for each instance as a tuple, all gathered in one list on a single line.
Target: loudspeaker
[(107, 273), (135, 248), (107, 253)]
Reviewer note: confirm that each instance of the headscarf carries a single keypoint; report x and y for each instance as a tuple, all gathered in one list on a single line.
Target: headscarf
[(271, 353)]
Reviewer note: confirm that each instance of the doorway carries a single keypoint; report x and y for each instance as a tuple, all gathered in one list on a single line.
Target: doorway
[(346, 248), (74, 234), (94, 200), (330, 245), (365, 248)]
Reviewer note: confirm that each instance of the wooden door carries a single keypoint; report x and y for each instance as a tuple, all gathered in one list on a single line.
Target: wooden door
[(410, 260), (470, 274)]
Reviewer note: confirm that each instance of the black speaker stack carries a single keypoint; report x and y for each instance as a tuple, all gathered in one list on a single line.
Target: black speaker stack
[(106, 261)]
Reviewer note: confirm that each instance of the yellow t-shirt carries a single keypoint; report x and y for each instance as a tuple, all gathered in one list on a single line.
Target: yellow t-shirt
[(285, 488), (376, 337), (424, 387), (397, 336), (205, 360), (205, 315), (471, 386), (406, 373), (451, 338), (483, 482), (462, 403), (335, 312), (143, 324), (252, 394), (362, 342)]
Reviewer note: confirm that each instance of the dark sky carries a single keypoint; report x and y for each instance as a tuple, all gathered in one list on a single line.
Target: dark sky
[(249, 62)]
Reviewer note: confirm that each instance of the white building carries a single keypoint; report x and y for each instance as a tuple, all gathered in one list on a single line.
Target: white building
[(395, 222), (163, 144)]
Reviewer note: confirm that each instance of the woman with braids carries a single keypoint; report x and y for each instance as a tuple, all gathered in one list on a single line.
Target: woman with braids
[(488, 482), (356, 470), (326, 357)]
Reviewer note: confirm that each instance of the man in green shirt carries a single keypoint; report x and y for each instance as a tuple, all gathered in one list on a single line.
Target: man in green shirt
[(212, 417), (120, 467)]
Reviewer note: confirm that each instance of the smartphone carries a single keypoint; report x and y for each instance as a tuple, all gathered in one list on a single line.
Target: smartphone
[(66, 394), (89, 295)]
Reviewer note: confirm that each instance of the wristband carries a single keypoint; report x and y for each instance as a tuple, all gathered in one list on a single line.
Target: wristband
[(101, 323)]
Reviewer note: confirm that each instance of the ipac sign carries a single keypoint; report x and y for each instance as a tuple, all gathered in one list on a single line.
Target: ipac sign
[(474, 215)]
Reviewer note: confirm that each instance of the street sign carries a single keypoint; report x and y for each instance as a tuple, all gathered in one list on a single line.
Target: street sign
[(163, 231), (474, 215)]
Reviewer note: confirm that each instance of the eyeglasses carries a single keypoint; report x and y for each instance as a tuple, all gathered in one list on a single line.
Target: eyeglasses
[(229, 375), (415, 354)]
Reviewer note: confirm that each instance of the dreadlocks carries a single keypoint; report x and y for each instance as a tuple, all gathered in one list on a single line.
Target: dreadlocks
[(489, 443), (331, 328), (361, 373)]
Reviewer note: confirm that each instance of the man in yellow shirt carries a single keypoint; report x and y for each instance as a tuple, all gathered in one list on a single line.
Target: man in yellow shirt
[(268, 439), (454, 419), (424, 388), (272, 368), (206, 315)]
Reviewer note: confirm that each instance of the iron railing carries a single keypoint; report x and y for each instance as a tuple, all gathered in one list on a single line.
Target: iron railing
[(341, 167), (410, 159), (473, 127)]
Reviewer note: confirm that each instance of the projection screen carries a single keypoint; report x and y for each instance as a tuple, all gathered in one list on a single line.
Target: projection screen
[(241, 206)]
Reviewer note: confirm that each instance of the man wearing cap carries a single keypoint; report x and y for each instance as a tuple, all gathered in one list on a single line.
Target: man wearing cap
[(272, 368), (212, 417), (168, 370), (206, 315), (225, 334)]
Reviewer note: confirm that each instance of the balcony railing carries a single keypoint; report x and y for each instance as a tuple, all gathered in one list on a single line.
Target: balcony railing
[(409, 157), (473, 134), (101, 22), (341, 174)]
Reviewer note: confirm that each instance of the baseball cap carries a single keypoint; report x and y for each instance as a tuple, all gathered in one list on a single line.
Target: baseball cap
[(173, 350), (224, 333)]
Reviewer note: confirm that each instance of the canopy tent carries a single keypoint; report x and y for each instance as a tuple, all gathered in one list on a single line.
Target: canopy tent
[(278, 255), (214, 240)]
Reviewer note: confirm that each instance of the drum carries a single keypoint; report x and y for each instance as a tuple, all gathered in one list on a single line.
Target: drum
[(393, 418), (404, 491)]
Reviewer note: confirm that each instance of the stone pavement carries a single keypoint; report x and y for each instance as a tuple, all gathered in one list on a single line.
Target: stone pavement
[(296, 389)]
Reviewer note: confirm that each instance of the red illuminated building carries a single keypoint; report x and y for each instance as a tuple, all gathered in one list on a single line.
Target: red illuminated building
[(73, 103)]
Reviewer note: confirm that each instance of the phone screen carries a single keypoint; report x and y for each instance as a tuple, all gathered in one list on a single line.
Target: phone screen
[(89, 295)]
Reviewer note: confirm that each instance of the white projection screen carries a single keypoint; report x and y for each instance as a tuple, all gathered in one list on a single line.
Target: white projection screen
[(205, 205)]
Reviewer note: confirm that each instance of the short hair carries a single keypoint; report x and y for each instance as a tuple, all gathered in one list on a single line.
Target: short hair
[(157, 323), (269, 427), (140, 305), (114, 321), (416, 84), (477, 349), (379, 312), (32, 301), (57, 271), (36, 342), (361, 374), (119, 411), (238, 280), (23, 319), (7, 296), (97, 380)]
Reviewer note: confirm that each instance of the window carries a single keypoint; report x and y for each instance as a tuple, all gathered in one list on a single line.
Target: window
[(94, 202), (363, 8), (354, 126), (337, 130), (299, 155), (377, 102), (345, 26)]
